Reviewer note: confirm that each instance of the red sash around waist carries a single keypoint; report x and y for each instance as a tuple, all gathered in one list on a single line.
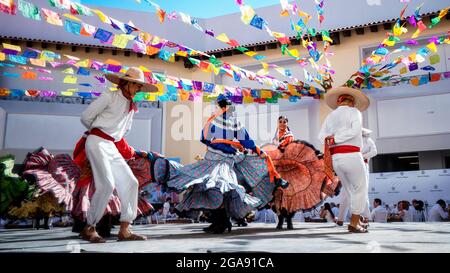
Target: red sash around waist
[(344, 149), (79, 153)]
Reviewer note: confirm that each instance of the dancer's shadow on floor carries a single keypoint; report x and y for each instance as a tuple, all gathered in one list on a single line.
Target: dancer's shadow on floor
[(252, 233)]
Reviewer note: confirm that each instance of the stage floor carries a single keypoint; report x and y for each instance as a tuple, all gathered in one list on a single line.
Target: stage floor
[(257, 237)]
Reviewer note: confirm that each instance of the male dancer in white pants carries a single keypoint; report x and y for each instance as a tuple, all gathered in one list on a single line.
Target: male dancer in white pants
[(342, 132), (108, 119), (369, 150)]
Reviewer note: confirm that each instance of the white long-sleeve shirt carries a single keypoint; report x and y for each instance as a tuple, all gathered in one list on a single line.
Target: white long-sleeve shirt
[(437, 214), (345, 124), (369, 148), (109, 113)]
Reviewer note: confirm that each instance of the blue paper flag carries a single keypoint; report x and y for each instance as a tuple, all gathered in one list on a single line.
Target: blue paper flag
[(72, 27), (236, 76), (171, 89), (84, 94), (208, 87), (31, 54), (428, 68), (381, 51), (102, 35), (255, 93), (259, 57), (293, 98), (257, 22), (83, 71), (11, 75), (424, 80), (17, 92), (17, 59)]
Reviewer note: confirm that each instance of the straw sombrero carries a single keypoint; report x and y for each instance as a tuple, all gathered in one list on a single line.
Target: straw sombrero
[(133, 74), (361, 100)]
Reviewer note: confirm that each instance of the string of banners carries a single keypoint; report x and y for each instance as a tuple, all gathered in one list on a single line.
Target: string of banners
[(170, 88)]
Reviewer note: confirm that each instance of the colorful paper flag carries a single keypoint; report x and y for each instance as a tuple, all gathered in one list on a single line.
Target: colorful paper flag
[(72, 27), (434, 59), (29, 10), (70, 79)]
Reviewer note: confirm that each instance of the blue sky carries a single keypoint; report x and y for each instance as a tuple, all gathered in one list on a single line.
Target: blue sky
[(195, 8)]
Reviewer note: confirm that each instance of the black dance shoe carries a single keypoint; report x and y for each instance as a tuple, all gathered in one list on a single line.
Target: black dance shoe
[(280, 182)]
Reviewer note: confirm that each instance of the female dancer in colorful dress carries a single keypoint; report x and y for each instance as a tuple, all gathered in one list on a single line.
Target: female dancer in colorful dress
[(229, 181), (299, 163)]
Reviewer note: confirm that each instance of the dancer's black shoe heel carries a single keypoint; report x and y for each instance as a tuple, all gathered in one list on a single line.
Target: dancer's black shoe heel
[(280, 182)]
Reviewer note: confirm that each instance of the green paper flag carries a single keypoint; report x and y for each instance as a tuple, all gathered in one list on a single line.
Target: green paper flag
[(242, 49), (29, 10), (312, 32)]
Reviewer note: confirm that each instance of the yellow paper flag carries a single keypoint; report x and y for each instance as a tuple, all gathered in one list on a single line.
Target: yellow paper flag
[(144, 69), (416, 34), (71, 17), (432, 47), (248, 99), (12, 47), (102, 16), (70, 79), (68, 71), (121, 40), (84, 63), (266, 94), (223, 38), (2, 56), (247, 14), (403, 70), (250, 53), (38, 62)]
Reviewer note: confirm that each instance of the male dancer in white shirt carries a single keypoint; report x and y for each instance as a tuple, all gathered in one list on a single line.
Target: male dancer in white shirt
[(342, 134), (108, 119)]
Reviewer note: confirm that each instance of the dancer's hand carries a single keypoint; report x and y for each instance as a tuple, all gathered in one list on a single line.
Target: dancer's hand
[(330, 140), (143, 154), (263, 155)]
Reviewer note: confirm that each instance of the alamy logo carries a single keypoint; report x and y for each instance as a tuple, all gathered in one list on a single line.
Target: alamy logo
[(393, 188), (414, 187)]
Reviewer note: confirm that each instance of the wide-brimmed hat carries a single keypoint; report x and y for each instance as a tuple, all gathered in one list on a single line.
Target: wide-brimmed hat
[(133, 74), (361, 100), (366, 132)]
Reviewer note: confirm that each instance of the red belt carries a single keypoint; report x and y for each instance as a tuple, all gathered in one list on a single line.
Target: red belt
[(344, 149), (100, 133)]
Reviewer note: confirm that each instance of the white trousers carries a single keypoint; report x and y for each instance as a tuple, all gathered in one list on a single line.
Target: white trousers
[(110, 171), (352, 173), (366, 212)]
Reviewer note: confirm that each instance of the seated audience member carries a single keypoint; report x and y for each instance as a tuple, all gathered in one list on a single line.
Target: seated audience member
[(439, 212), (379, 214), (405, 211), (420, 214)]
